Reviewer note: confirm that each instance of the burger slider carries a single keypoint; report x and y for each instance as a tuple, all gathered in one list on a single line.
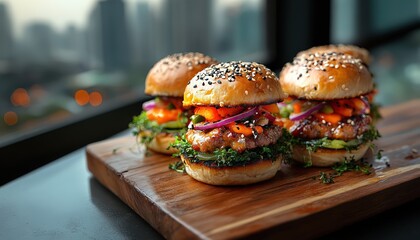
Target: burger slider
[(164, 117), (235, 136), (329, 109), (355, 52)]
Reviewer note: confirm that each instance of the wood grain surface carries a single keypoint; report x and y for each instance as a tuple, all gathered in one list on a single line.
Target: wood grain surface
[(293, 204)]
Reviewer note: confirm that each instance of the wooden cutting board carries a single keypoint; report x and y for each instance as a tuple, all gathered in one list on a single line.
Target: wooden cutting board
[(291, 205)]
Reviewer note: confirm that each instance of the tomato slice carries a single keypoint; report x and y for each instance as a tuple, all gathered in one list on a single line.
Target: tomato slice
[(279, 122), (332, 118), (229, 112), (272, 108), (163, 115), (209, 113), (343, 107), (297, 107), (359, 105)]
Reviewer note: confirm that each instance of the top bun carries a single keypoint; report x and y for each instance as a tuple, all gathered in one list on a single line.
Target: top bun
[(354, 51), (233, 83), (326, 76), (170, 75)]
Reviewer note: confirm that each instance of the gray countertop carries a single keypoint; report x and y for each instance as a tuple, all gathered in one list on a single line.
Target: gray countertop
[(63, 201)]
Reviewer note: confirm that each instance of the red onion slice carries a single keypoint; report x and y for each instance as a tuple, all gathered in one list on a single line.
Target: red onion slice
[(221, 123), (307, 113), (366, 109), (149, 105)]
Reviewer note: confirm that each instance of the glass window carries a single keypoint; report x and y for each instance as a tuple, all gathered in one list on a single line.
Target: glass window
[(358, 20), (396, 64), (60, 60)]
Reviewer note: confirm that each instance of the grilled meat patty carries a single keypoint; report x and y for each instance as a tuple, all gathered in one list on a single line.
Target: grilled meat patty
[(312, 128), (208, 141)]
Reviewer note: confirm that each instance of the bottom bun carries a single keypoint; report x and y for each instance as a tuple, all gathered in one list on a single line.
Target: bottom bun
[(324, 157), (235, 175), (161, 143)]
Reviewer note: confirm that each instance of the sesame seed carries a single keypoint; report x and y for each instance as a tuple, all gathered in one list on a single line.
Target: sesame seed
[(246, 92)]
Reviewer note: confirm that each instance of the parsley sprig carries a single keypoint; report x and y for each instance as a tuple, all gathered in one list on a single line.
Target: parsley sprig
[(348, 165)]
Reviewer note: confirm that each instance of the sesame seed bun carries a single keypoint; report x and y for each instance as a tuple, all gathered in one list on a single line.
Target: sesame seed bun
[(324, 157), (252, 172), (356, 52), (232, 84), (326, 76), (170, 75)]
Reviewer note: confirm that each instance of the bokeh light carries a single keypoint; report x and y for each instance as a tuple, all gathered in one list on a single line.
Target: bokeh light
[(10, 118), (95, 98), (20, 97), (81, 97)]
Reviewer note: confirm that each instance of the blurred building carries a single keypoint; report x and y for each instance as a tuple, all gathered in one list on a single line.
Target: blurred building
[(71, 45), (38, 43), (145, 27), (107, 36), (248, 34), (188, 25)]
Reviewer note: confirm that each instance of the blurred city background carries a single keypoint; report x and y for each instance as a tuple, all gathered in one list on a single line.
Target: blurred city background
[(60, 60)]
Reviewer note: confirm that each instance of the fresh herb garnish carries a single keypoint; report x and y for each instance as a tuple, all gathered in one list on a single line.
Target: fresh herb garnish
[(307, 163), (348, 165), (370, 135), (379, 154), (230, 157), (374, 111), (114, 151), (177, 166), (352, 165), (326, 178)]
